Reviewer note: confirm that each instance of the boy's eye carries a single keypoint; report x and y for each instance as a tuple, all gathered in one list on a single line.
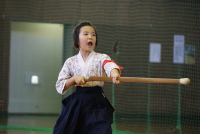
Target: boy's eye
[(85, 34), (94, 34)]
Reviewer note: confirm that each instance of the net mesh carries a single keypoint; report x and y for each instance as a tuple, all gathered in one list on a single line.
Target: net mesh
[(125, 31)]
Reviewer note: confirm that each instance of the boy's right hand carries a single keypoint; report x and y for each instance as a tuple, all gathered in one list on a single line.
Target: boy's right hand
[(79, 80)]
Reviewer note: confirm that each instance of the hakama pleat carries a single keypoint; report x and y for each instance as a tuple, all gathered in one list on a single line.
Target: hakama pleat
[(86, 111)]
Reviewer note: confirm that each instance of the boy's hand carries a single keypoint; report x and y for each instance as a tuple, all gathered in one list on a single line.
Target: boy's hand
[(116, 79), (116, 75), (79, 80)]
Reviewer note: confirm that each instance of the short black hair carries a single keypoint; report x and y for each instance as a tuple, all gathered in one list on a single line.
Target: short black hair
[(76, 31)]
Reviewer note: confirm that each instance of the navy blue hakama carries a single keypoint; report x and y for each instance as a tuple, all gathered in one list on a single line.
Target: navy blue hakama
[(85, 111)]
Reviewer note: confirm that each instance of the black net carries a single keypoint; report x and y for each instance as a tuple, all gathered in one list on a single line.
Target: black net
[(150, 39)]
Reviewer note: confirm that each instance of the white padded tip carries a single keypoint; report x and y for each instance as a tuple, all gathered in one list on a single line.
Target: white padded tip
[(184, 81)]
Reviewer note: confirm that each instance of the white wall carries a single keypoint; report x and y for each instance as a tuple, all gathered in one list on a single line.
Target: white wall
[(36, 49)]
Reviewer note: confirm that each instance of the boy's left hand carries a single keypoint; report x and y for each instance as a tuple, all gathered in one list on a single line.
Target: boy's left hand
[(116, 75), (116, 79)]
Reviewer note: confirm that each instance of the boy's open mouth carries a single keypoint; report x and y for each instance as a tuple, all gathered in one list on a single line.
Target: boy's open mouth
[(90, 43)]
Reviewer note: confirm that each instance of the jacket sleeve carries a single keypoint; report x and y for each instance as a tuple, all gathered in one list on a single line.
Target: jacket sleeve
[(63, 76), (109, 66)]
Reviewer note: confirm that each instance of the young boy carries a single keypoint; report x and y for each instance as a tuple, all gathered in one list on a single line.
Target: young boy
[(87, 110)]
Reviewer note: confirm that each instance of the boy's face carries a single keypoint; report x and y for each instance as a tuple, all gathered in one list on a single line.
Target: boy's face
[(87, 39)]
